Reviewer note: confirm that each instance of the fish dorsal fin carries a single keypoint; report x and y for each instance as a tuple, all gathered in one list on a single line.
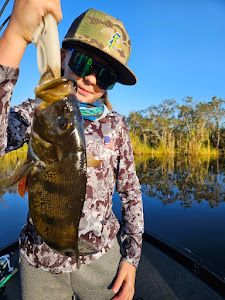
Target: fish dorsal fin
[(92, 162)]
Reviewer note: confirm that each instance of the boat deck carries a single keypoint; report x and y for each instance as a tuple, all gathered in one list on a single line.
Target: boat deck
[(161, 277), (158, 277)]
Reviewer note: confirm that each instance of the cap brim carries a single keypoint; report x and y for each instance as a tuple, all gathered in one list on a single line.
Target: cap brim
[(124, 74)]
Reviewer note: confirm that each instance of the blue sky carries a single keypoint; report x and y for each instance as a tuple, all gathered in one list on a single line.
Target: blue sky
[(178, 50)]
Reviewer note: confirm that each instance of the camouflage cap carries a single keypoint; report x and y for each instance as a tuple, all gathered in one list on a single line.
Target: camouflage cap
[(106, 37)]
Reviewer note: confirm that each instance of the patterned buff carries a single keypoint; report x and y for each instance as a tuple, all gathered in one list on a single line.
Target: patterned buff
[(93, 111)]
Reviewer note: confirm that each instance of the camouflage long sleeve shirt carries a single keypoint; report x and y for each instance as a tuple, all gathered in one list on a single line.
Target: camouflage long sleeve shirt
[(98, 224)]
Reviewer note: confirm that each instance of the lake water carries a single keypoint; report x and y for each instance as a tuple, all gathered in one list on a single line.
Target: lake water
[(183, 204)]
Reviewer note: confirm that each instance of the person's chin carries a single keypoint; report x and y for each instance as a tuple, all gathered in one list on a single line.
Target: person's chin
[(84, 99)]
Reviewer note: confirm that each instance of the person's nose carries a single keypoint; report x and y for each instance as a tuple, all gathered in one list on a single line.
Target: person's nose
[(90, 79)]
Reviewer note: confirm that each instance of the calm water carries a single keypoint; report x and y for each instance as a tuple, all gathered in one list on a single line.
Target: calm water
[(183, 204)]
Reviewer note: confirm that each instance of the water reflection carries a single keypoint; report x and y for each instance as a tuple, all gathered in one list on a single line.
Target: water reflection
[(184, 204), (183, 178), (169, 187)]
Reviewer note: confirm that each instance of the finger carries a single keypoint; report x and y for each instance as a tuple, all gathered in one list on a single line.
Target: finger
[(131, 295), (124, 293), (54, 7), (118, 282)]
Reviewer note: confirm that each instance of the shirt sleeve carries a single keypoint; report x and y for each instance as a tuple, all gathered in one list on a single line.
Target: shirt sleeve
[(129, 189), (15, 122)]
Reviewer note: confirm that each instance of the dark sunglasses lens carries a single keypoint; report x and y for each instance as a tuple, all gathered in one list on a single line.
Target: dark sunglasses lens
[(80, 64), (106, 79), (83, 65)]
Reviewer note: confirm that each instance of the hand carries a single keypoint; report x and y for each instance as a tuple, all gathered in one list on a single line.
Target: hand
[(27, 15), (25, 18), (123, 286)]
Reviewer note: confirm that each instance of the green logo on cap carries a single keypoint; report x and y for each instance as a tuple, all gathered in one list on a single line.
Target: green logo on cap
[(115, 41)]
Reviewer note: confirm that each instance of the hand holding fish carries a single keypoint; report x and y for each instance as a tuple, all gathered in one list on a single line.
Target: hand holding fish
[(27, 15), (25, 18)]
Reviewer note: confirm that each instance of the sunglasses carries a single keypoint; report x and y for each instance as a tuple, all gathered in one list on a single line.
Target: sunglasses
[(83, 65)]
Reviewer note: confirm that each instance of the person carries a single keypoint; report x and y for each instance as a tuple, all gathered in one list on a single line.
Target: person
[(95, 52)]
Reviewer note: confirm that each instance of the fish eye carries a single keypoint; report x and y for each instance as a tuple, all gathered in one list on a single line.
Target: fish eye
[(63, 123)]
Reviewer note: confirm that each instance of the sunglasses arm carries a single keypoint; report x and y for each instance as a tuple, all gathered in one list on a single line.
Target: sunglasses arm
[(46, 39)]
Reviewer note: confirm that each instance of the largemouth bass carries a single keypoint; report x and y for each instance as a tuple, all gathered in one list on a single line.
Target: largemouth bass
[(57, 184), (55, 171)]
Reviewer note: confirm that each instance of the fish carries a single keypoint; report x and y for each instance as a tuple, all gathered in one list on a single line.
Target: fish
[(50, 89), (54, 174)]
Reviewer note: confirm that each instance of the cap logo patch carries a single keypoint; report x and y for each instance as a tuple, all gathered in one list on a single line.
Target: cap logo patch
[(115, 41)]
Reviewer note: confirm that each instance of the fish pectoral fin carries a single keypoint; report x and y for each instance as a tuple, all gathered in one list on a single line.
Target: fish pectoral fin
[(92, 162), (19, 173), (22, 186), (86, 248)]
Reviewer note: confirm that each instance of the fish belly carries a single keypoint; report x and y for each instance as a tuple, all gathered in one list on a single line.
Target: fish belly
[(56, 197)]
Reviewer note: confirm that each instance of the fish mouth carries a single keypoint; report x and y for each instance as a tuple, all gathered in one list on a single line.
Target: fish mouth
[(54, 90)]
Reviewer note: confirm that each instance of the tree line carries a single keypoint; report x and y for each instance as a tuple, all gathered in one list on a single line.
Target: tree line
[(188, 127)]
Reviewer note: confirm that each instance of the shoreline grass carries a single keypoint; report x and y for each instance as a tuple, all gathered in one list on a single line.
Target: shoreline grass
[(139, 148)]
